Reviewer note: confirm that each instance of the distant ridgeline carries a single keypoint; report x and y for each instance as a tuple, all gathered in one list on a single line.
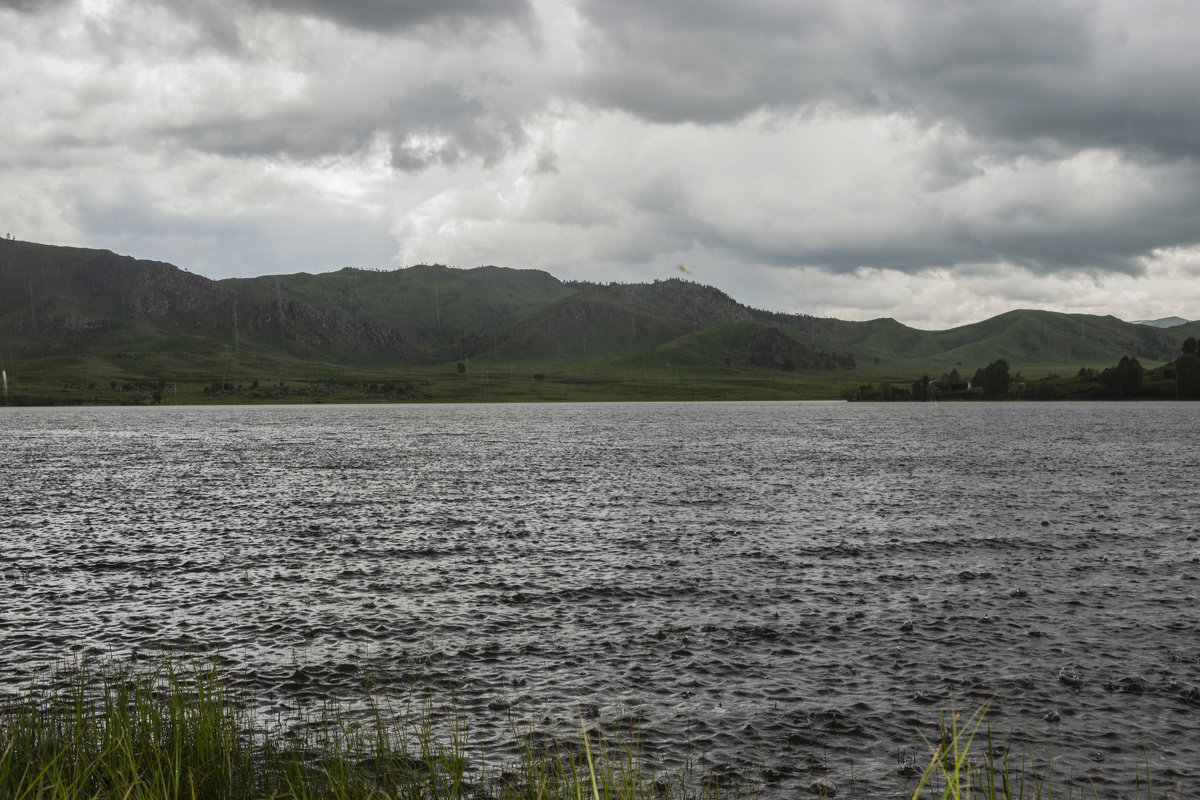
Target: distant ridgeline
[(81, 325)]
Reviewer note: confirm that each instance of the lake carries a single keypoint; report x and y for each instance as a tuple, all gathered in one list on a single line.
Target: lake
[(784, 590)]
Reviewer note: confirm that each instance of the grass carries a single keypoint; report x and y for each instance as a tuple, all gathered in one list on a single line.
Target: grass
[(956, 772), (99, 380), (177, 731)]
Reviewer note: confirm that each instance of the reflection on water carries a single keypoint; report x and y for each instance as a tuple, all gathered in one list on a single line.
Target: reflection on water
[(790, 590)]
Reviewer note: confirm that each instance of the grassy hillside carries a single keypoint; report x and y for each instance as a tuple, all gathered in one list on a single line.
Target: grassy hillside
[(450, 313), (744, 345), (1050, 338), (80, 325), (63, 301)]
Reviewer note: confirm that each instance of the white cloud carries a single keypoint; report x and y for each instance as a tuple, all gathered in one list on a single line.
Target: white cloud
[(933, 164)]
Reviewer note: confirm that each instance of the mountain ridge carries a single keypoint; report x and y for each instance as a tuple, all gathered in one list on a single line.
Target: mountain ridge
[(1162, 322), (79, 303)]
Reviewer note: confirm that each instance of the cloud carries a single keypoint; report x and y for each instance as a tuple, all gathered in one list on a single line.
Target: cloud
[(1072, 74), (837, 193), (281, 225), (394, 15), (31, 6), (218, 20), (773, 147), (299, 98)]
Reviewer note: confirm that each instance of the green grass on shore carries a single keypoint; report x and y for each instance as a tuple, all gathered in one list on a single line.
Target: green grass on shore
[(958, 770), (176, 730), (136, 381), (180, 731)]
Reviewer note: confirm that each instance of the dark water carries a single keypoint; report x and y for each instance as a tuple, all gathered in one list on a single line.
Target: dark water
[(783, 590)]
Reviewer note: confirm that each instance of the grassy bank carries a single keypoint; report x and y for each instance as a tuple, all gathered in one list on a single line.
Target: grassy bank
[(98, 382), (175, 731)]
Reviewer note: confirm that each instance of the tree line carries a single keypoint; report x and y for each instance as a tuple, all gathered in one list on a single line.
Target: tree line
[(1125, 380)]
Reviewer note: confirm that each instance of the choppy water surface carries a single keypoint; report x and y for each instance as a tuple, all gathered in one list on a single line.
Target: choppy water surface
[(786, 590)]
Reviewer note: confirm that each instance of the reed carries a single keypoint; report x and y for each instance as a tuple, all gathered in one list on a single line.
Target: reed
[(177, 730), (957, 772)]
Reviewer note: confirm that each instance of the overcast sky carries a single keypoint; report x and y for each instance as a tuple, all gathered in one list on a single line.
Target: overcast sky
[(938, 162)]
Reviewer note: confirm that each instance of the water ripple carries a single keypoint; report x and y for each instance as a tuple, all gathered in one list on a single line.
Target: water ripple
[(783, 590)]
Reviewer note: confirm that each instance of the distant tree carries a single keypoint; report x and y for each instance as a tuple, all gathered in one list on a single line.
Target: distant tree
[(994, 379), (461, 368), (1124, 380), (920, 389), (1187, 377), (1190, 346)]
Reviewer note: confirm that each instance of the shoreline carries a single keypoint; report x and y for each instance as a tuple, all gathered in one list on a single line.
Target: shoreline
[(176, 727)]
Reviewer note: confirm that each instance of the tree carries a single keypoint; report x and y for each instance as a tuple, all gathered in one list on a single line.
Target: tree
[(461, 368), (1187, 376), (1190, 346), (1125, 379), (994, 379)]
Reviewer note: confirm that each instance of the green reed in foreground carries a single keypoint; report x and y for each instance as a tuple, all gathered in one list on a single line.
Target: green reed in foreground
[(955, 772), (179, 731)]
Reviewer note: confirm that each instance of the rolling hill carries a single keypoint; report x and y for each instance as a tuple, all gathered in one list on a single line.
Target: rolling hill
[(76, 311), (61, 300)]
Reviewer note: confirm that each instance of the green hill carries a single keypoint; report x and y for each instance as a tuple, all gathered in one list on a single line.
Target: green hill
[(739, 345), (59, 300), (74, 321), (449, 313)]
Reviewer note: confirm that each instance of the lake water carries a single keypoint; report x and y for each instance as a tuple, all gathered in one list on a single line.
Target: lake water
[(782, 590)]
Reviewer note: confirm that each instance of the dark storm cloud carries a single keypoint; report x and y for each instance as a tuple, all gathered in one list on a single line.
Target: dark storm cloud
[(415, 88), (428, 125), (1035, 224), (1071, 73), (217, 22), (1035, 238), (31, 6), (384, 16), (1045, 139), (705, 61), (441, 125), (293, 134), (1064, 72), (394, 15)]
